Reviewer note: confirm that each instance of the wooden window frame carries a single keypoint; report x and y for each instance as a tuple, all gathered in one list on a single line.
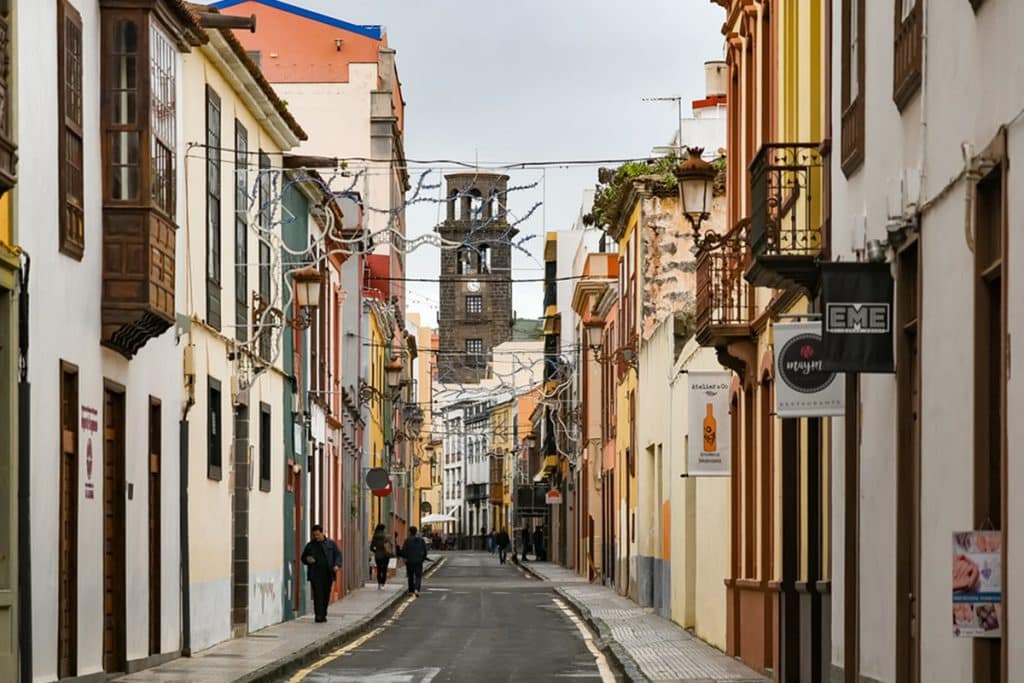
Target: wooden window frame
[(852, 106), (214, 117), (265, 185), (8, 147), (908, 43), (163, 73), (137, 124), (266, 431), (69, 104), (214, 429), (241, 232)]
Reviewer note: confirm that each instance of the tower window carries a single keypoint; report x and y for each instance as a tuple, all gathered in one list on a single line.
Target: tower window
[(474, 347), (474, 304)]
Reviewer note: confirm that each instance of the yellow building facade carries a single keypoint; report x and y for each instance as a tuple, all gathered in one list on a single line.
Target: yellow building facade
[(500, 452), (765, 274)]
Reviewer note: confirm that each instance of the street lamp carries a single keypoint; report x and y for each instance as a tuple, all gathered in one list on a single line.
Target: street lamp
[(595, 337), (394, 372), (696, 179), (595, 340), (306, 283)]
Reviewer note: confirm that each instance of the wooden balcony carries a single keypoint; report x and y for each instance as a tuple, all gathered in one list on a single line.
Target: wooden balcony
[(786, 224), (138, 278), (906, 63), (723, 295)]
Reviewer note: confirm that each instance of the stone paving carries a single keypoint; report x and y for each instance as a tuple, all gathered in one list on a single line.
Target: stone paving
[(249, 658), (648, 646)]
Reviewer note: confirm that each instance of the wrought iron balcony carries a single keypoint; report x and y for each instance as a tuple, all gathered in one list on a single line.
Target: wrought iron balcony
[(786, 222), (723, 295)]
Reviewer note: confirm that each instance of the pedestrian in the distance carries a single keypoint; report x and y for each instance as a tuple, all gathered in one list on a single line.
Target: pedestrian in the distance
[(502, 541), (382, 551), (492, 540), (538, 544), (414, 550), (322, 559), (526, 540)]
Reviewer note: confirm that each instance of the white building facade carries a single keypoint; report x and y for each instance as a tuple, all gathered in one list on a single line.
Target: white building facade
[(453, 479), (98, 108), (927, 122), (237, 311)]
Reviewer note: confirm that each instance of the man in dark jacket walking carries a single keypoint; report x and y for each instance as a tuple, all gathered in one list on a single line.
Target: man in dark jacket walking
[(322, 559), (526, 540), (501, 540), (414, 550), (539, 549)]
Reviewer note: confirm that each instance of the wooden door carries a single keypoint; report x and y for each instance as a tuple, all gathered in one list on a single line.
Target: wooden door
[(299, 579), (67, 580), (155, 452), (113, 531), (908, 475)]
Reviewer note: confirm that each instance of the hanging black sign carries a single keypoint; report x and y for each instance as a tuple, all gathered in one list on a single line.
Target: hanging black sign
[(858, 317)]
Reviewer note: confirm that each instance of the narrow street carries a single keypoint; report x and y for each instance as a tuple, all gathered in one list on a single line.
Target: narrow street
[(475, 620)]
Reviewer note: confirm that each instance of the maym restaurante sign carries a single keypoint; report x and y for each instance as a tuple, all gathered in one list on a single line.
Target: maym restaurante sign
[(805, 388)]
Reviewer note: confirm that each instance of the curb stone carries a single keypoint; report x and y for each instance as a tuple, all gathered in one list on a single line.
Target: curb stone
[(605, 641), (621, 655), (275, 671)]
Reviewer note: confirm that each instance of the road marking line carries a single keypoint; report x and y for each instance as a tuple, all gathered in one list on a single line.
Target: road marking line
[(588, 640), (345, 649)]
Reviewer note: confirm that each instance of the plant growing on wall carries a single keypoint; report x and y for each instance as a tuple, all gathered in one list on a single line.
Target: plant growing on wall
[(613, 185)]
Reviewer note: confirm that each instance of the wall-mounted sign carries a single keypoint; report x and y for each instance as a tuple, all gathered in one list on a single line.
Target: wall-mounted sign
[(377, 478), (553, 497), (977, 584), (709, 453), (91, 425), (803, 387), (858, 320)]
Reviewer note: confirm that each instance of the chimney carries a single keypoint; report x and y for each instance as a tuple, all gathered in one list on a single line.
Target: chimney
[(715, 78)]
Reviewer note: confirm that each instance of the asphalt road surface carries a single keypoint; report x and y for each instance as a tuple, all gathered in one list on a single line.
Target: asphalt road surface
[(476, 620)]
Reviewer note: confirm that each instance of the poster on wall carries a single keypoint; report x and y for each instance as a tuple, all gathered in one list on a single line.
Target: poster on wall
[(977, 584), (803, 388), (709, 452)]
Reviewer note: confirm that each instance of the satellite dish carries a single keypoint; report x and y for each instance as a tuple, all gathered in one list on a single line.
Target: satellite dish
[(376, 478)]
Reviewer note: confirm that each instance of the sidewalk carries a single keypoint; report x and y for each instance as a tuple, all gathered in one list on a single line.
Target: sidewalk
[(647, 646), (273, 652)]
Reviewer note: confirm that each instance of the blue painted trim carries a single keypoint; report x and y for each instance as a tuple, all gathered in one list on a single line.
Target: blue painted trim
[(370, 31)]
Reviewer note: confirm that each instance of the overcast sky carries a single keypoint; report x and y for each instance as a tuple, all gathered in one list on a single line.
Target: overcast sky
[(536, 80)]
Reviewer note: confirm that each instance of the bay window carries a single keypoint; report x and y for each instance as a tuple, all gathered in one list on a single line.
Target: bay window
[(139, 42)]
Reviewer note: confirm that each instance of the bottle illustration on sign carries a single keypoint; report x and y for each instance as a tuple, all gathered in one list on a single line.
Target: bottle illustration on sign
[(710, 431)]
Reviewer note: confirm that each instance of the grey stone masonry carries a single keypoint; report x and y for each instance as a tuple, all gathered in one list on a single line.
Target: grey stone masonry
[(476, 279)]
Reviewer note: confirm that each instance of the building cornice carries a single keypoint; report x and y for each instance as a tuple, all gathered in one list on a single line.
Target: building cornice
[(228, 56)]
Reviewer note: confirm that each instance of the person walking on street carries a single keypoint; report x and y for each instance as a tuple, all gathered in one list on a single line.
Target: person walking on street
[(526, 540), (382, 551), (414, 550), (502, 540), (322, 559), (538, 544), (492, 540)]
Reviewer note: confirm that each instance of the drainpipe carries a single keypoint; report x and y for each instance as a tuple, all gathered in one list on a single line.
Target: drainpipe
[(183, 529), (24, 481)]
